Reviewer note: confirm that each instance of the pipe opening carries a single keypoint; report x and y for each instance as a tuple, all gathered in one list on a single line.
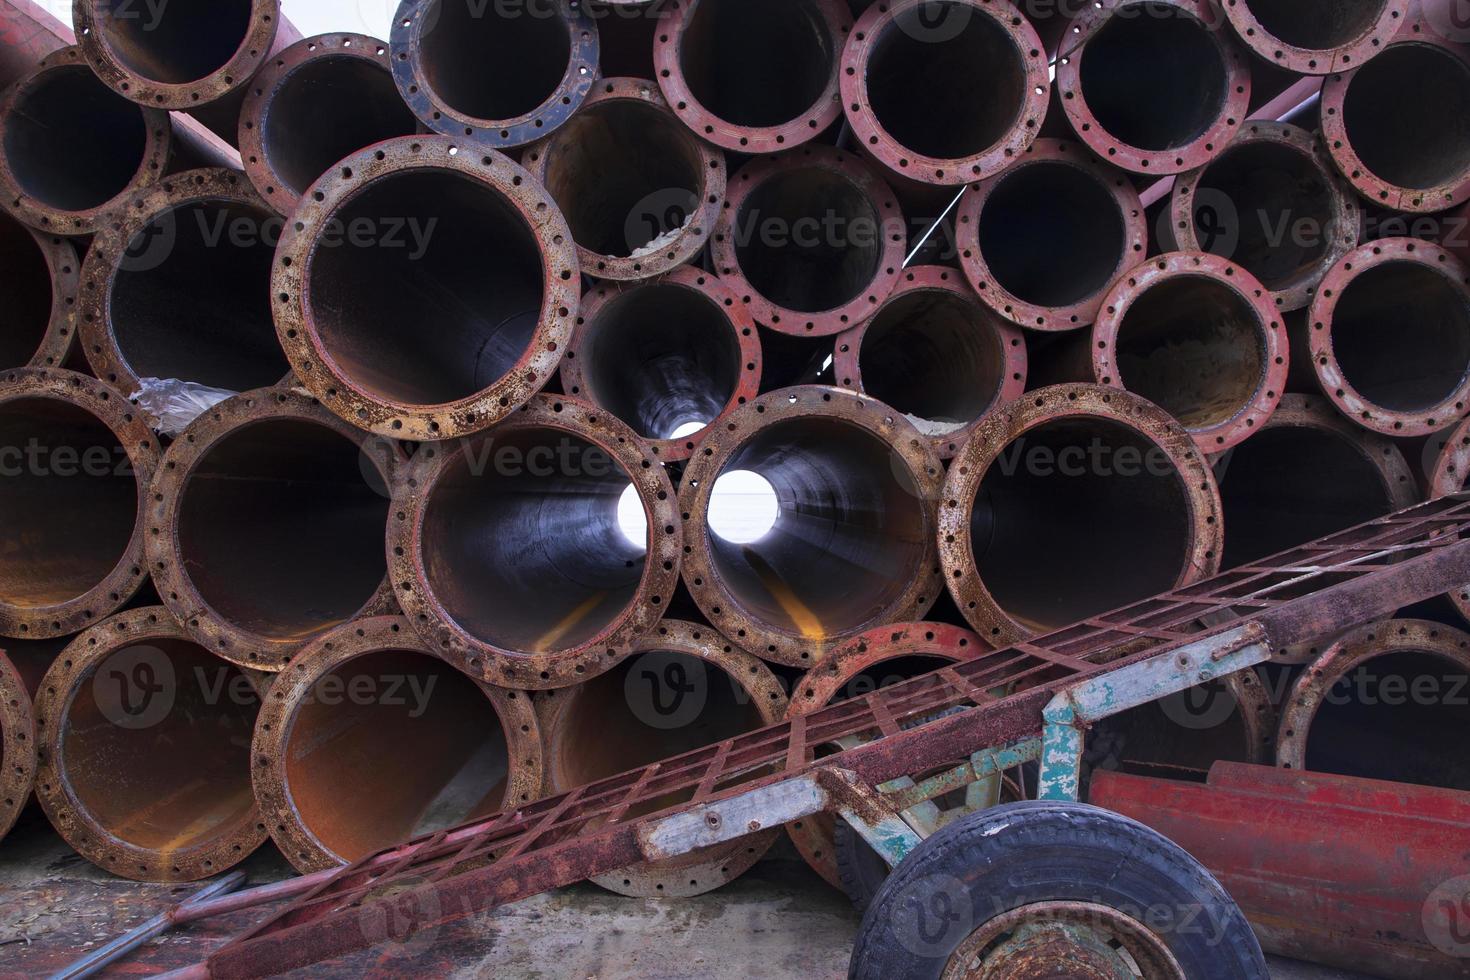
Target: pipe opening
[(175, 43), (500, 64), (1407, 116), (1178, 737), (69, 498), (1052, 234), (393, 745), (191, 298), (522, 545), (887, 673), (663, 358), (280, 530), (25, 282), (326, 110), (1153, 77), (176, 775), (1317, 25), (440, 311), (757, 62), (931, 355), (1193, 346), (71, 142), (925, 70), (1401, 334), (850, 534), (625, 174), (1076, 517), (809, 239)]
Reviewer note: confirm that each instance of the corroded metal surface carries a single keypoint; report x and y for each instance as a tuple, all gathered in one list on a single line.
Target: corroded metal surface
[(62, 268), (18, 737), (1077, 940), (1450, 474), (1361, 42)]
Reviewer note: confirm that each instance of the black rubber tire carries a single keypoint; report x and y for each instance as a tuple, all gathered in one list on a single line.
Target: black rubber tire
[(1001, 859), (861, 869)]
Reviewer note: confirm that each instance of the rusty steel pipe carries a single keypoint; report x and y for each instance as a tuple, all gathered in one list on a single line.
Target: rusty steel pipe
[(467, 244), (266, 524), (671, 357), (17, 745), (371, 737), (753, 76), (320, 100), (28, 33), (850, 546), (1317, 37), (1153, 86), (144, 751), (536, 555), (812, 240), (936, 353), (640, 191), (1390, 337), (1072, 501), (684, 686), (38, 276), (77, 461), (1042, 242), (1449, 475)]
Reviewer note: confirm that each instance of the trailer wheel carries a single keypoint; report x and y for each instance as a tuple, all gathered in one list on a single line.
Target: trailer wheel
[(1034, 890)]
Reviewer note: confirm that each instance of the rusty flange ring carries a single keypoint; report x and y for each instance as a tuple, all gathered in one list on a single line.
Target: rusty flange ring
[(1038, 408), (135, 709), (1338, 387), (64, 271), (18, 738), (807, 126), (170, 565), (1450, 475), (1174, 160), (415, 18), (1007, 340), (891, 231), (922, 470), (821, 685), (1317, 61), (1109, 180), (318, 371), (1271, 334), (153, 161), (135, 439), (1340, 236), (609, 95), (869, 33), (547, 669), (709, 868), (719, 296), (320, 658), (1072, 939)]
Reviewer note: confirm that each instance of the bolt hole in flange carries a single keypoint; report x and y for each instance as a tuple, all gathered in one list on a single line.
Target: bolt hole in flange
[(185, 43)]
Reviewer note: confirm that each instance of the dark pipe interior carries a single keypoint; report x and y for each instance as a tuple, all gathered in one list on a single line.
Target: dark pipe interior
[(444, 315), (521, 542), (179, 781), (25, 282), (72, 143), (1153, 77), (1317, 24), (1179, 737), (1078, 517), (69, 498), (280, 530), (1195, 347), (1053, 234), (326, 110), (757, 62), (661, 357), (887, 673), (390, 746), (175, 42), (1407, 115), (1401, 333), (495, 62)]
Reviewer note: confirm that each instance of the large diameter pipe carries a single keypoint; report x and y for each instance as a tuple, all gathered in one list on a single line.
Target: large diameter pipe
[(463, 242), (811, 520), (812, 240), (1450, 474), (145, 751), (77, 461), (1042, 242), (1153, 86), (1390, 337), (536, 555), (1317, 37), (17, 745), (684, 686), (671, 357), (266, 526), (936, 353), (38, 276), (28, 33), (371, 737), (1072, 501), (640, 191)]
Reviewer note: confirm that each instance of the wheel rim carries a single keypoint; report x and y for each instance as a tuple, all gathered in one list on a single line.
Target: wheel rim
[(1055, 940)]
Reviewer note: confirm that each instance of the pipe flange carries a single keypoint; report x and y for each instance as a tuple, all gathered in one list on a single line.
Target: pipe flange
[(59, 342), (1450, 474), (1317, 61), (18, 736)]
